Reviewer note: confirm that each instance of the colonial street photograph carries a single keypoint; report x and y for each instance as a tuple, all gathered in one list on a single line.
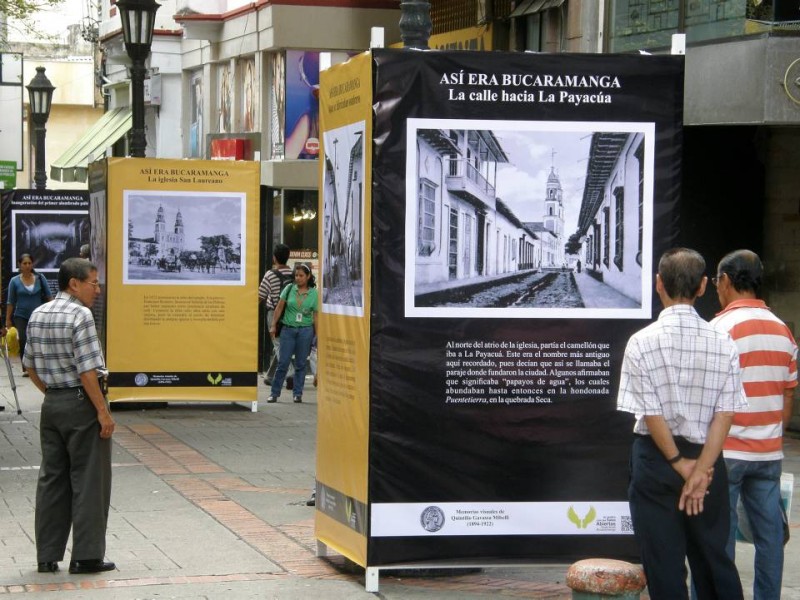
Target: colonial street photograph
[(529, 219), (343, 225)]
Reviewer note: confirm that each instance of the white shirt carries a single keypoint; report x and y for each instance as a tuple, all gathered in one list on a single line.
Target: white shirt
[(683, 369)]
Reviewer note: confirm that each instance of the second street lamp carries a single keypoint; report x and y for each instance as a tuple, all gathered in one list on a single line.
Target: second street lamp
[(415, 23), (40, 96), (138, 22)]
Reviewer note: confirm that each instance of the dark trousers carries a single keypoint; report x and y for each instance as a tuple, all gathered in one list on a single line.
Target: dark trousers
[(74, 488), (667, 536), (21, 325)]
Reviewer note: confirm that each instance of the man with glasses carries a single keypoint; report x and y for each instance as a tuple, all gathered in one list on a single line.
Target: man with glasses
[(65, 362), (680, 378), (753, 450)]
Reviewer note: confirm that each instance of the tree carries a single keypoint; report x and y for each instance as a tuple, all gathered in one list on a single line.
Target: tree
[(20, 15), (211, 244), (573, 245)]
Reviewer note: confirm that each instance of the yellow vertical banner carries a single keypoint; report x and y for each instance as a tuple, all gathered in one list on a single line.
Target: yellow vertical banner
[(182, 280), (343, 334)]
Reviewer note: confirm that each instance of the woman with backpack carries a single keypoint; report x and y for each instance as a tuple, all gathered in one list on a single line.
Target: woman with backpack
[(26, 292), (295, 324)]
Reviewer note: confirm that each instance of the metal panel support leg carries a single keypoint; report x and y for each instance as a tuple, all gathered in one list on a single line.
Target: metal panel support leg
[(322, 549), (371, 582)]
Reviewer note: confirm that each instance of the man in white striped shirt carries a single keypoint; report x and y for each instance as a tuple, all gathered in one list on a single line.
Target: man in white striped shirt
[(680, 378), (753, 450)]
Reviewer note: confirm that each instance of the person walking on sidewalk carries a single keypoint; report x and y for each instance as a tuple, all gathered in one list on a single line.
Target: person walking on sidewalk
[(297, 313), (753, 451), (680, 378), (269, 292), (26, 292), (66, 364)]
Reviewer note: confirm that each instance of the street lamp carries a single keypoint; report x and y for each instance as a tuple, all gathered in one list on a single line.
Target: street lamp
[(415, 23), (40, 95), (138, 21)]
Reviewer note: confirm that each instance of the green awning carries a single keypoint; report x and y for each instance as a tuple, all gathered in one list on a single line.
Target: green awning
[(530, 7), (73, 164)]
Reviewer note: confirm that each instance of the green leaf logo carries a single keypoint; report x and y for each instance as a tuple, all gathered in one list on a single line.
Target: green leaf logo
[(214, 380), (577, 521), (590, 516), (210, 379)]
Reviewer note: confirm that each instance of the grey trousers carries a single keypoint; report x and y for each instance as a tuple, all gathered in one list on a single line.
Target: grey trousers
[(74, 488)]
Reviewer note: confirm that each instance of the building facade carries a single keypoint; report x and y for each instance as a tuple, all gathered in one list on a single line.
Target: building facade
[(166, 243), (463, 230)]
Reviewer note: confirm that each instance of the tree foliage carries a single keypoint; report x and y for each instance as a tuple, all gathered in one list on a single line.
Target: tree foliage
[(23, 9), (573, 245), (20, 16)]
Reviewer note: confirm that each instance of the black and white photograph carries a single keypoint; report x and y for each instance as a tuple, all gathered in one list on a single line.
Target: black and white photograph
[(526, 219), (49, 236), (183, 238), (343, 211)]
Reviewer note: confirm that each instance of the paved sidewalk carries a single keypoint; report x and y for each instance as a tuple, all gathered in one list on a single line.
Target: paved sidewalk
[(208, 501), (596, 294)]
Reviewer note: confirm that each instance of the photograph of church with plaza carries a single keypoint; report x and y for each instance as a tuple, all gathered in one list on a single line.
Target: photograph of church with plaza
[(529, 220), (183, 239)]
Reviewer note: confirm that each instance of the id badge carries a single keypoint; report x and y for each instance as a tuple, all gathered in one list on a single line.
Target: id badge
[(299, 317)]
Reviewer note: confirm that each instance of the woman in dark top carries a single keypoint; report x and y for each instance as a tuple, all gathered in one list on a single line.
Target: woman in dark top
[(26, 292)]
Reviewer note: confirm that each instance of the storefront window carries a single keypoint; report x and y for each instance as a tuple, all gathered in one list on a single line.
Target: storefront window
[(648, 24), (301, 226)]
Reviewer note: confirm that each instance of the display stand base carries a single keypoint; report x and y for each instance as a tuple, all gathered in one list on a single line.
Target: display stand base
[(253, 405), (372, 574)]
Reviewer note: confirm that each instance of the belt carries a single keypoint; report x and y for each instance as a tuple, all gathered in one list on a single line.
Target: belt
[(102, 381)]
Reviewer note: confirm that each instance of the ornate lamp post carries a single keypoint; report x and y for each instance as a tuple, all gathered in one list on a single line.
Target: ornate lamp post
[(138, 21), (40, 92), (415, 23)]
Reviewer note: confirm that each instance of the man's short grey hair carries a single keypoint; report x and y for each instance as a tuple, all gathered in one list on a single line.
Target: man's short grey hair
[(681, 271), (79, 268)]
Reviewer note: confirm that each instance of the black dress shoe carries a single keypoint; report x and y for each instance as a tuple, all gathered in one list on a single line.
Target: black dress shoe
[(48, 567), (77, 567)]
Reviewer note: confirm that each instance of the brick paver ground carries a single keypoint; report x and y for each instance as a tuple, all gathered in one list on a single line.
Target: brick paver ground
[(209, 502)]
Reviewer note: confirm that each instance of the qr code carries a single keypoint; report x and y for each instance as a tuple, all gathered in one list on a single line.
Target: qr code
[(627, 524)]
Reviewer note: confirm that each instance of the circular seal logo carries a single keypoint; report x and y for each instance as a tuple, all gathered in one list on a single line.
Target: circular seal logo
[(432, 519), (141, 379)]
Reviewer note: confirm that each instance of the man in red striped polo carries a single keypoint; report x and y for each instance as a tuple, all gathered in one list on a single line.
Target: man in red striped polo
[(753, 450)]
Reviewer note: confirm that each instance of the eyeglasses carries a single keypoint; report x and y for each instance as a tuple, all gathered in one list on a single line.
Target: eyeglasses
[(96, 284), (716, 280)]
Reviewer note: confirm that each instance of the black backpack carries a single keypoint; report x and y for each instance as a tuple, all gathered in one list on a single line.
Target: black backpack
[(285, 280)]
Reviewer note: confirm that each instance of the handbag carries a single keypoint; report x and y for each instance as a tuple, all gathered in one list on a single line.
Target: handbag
[(45, 292), (279, 322), (279, 317)]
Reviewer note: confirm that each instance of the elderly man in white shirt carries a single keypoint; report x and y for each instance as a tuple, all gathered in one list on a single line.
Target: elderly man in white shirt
[(680, 378)]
